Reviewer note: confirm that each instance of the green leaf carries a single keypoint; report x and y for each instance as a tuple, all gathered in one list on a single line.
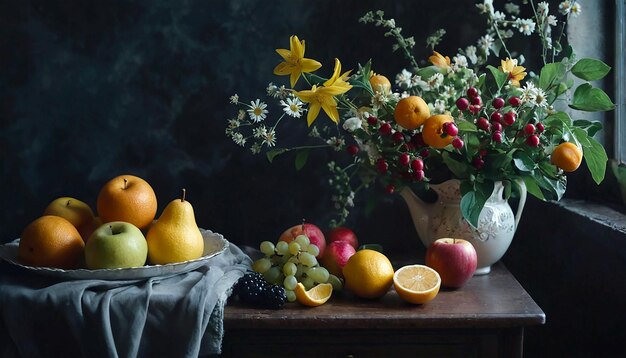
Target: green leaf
[(301, 157), (557, 117), (456, 166), (499, 76), (590, 69), (533, 188), (271, 154), (596, 158), (591, 99), (592, 127), (427, 72), (551, 73), (473, 202), (466, 126), (523, 162), (363, 79)]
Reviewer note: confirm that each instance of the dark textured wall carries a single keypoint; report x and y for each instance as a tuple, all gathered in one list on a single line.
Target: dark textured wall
[(93, 89)]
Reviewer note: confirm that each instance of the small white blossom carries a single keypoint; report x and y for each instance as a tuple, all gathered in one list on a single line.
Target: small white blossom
[(272, 90), (234, 123), (511, 8), (336, 143), (485, 42), (540, 100), (259, 132), (435, 81), (255, 148), (528, 93), (293, 107), (542, 9), (470, 52), (486, 7), (459, 62), (499, 16), (439, 107), (239, 139), (403, 79), (234, 99), (257, 111), (551, 20), (525, 26), (241, 115), (350, 199), (352, 124)]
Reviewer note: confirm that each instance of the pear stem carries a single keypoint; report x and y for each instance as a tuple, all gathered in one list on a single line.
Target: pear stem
[(183, 196), (125, 183), (68, 202)]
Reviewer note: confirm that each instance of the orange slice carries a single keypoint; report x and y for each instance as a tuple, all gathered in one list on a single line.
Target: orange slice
[(314, 297), (416, 284)]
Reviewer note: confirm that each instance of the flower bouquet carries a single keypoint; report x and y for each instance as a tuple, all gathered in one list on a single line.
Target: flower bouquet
[(460, 118)]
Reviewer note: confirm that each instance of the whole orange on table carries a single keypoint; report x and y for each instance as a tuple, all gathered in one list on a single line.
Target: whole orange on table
[(51, 241), (127, 198), (368, 274)]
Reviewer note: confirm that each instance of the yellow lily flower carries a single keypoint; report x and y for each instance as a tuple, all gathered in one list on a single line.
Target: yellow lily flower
[(516, 73), (295, 63), (439, 60), (323, 97)]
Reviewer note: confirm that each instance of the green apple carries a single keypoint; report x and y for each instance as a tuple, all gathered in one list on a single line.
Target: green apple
[(116, 244)]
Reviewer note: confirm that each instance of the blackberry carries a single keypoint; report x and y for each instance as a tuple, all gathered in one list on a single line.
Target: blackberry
[(253, 289)]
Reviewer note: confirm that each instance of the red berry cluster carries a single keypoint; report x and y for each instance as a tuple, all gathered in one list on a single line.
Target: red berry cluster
[(472, 103)]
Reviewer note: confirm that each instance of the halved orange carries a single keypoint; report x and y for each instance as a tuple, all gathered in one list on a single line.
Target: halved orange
[(416, 284), (316, 296)]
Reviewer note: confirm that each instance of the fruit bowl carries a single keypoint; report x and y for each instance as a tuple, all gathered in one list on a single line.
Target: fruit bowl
[(214, 245)]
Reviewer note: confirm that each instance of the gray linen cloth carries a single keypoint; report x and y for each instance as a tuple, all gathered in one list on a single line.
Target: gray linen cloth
[(176, 316)]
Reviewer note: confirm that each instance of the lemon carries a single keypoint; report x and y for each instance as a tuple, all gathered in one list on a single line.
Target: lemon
[(314, 297), (416, 283)]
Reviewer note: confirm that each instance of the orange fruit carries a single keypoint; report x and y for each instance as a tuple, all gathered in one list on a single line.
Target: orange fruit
[(51, 241), (380, 83), (433, 129), (416, 284), (127, 198), (411, 112), (567, 156), (368, 274), (314, 297)]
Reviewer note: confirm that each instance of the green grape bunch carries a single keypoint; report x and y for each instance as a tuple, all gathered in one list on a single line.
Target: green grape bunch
[(286, 264)]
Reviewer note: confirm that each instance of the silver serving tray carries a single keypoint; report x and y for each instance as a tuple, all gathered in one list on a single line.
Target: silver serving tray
[(214, 245)]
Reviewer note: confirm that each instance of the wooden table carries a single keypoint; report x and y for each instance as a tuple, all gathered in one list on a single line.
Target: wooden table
[(485, 318)]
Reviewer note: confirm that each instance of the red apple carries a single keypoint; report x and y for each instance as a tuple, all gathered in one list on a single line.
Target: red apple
[(343, 234), (313, 232), (454, 259), (337, 254)]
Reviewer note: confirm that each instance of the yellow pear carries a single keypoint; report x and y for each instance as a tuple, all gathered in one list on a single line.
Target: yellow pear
[(175, 236)]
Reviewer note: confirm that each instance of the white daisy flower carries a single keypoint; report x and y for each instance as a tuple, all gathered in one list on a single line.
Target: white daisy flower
[(234, 123), (439, 107), (540, 100), (551, 20), (565, 7), (576, 9), (272, 90), (459, 61), (528, 93), (234, 99), (293, 107), (270, 138), (257, 111)]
